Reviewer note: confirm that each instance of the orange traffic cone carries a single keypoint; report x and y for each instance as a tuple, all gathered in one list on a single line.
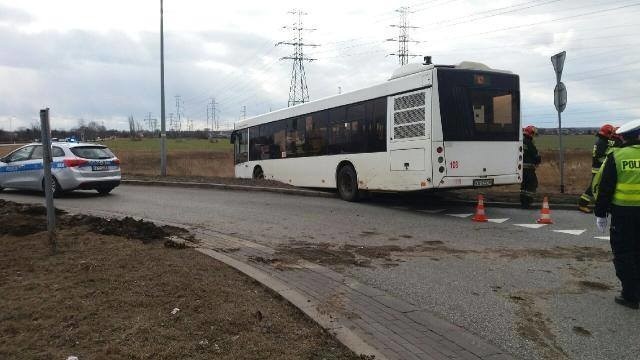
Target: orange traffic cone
[(545, 213), (480, 216)]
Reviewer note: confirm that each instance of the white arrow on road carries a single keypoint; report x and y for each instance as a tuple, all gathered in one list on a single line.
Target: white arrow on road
[(602, 238), (497, 221), (460, 215), (531, 226), (571, 232)]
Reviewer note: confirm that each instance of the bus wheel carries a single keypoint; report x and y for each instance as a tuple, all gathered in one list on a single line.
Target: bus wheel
[(347, 181), (258, 174)]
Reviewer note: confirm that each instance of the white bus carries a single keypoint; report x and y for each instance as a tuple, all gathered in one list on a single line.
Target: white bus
[(428, 127)]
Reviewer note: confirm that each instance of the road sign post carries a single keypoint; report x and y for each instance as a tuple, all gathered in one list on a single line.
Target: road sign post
[(48, 178), (560, 102)]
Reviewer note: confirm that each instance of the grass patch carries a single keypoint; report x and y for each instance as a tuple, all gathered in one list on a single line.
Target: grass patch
[(153, 145), (569, 142)]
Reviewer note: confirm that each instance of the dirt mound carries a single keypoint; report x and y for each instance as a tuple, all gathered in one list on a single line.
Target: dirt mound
[(22, 219), (26, 219)]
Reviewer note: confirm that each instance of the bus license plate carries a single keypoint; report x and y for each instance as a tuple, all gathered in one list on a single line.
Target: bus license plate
[(100, 167), (482, 182)]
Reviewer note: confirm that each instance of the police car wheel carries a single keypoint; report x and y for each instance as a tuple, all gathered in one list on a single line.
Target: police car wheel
[(104, 191), (55, 186)]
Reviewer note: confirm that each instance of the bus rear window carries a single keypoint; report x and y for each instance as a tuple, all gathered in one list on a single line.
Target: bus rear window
[(479, 107)]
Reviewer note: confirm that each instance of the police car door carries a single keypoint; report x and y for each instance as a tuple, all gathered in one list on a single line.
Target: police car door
[(33, 170), (13, 169)]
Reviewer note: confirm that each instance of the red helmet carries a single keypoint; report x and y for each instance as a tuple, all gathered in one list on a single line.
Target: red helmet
[(607, 130), (530, 131)]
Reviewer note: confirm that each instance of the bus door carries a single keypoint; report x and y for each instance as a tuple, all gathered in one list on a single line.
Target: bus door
[(410, 133)]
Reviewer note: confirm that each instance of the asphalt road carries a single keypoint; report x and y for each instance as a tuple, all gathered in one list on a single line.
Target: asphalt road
[(537, 293)]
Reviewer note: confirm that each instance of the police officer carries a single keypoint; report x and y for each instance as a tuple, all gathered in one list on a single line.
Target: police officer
[(531, 159), (619, 195), (604, 140)]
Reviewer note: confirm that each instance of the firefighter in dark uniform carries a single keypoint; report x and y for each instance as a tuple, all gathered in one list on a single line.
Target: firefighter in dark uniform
[(530, 160), (619, 195), (604, 141)]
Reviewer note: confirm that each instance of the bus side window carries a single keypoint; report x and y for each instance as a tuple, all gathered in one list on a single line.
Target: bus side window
[(357, 142), (377, 136), (317, 133), (296, 137)]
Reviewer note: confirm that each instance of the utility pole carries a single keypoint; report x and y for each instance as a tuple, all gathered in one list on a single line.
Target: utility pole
[(403, 37), (298, 91), (49, 181), (152, 123), (560, 102), (212, 114), (243, 113), (163, 128), (179, 111)]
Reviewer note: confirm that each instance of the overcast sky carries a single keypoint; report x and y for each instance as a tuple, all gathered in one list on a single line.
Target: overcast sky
[(99, 60)]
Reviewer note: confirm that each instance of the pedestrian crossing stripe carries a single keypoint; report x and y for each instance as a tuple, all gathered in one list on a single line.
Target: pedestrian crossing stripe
[(460, 215), (602, 238), (571, 232), (498, 221), (531, 226)]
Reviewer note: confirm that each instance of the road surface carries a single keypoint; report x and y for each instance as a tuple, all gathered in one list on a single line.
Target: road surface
[(536, 292)]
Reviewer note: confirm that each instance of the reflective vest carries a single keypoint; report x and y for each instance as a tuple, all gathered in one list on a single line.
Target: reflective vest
[(627, 191)]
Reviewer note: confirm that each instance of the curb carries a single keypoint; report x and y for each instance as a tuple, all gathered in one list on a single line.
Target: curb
[(307, 306), (188, 184)]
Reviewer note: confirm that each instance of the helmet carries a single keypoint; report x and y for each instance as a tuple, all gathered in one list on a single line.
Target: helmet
[(606, 130), (530, 131)]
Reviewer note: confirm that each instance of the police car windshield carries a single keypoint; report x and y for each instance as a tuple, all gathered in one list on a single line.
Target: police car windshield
[(92, 152)]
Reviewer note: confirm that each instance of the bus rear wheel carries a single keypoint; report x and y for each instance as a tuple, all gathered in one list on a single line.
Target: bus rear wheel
[(258, 174), (347, 183)]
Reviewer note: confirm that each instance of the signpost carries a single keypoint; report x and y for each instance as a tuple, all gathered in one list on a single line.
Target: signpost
[(48, 179), (560, 101)]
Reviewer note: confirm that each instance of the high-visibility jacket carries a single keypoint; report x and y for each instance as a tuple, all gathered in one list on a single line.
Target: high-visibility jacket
[(627, 192)]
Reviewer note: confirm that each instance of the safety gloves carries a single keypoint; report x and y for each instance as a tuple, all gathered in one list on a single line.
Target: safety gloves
[(601, 223)]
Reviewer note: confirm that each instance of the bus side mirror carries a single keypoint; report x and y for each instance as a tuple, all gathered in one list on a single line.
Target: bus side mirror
[(232, 139)]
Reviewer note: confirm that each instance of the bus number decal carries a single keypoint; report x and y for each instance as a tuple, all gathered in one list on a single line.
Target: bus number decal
[(454, 164)]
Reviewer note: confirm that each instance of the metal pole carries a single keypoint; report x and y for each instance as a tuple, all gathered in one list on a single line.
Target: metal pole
[(163, 128), (48, 179), (561, 153)]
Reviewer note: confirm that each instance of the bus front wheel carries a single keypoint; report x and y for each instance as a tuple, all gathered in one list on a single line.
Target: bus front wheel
[(347, 183), (258, 174)]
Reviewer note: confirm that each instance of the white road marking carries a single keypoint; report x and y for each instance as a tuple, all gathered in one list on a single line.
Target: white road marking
[(602, 238), (571, 232), (531, 226), (497, 221), (436, 211), (460, 215)]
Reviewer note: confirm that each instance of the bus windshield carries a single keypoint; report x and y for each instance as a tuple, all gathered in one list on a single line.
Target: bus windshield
[(479, 106)]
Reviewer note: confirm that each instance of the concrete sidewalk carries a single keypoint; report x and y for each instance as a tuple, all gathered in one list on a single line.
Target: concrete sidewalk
[(365, 319)]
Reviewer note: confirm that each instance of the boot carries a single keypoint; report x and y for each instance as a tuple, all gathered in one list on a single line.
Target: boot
[(619, 299)]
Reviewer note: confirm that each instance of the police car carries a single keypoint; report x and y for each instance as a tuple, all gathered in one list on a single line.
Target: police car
[(75, 166)]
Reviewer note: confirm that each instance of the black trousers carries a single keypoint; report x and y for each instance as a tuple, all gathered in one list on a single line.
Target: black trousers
[(586, 198), (528, 187), (625, 244)]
